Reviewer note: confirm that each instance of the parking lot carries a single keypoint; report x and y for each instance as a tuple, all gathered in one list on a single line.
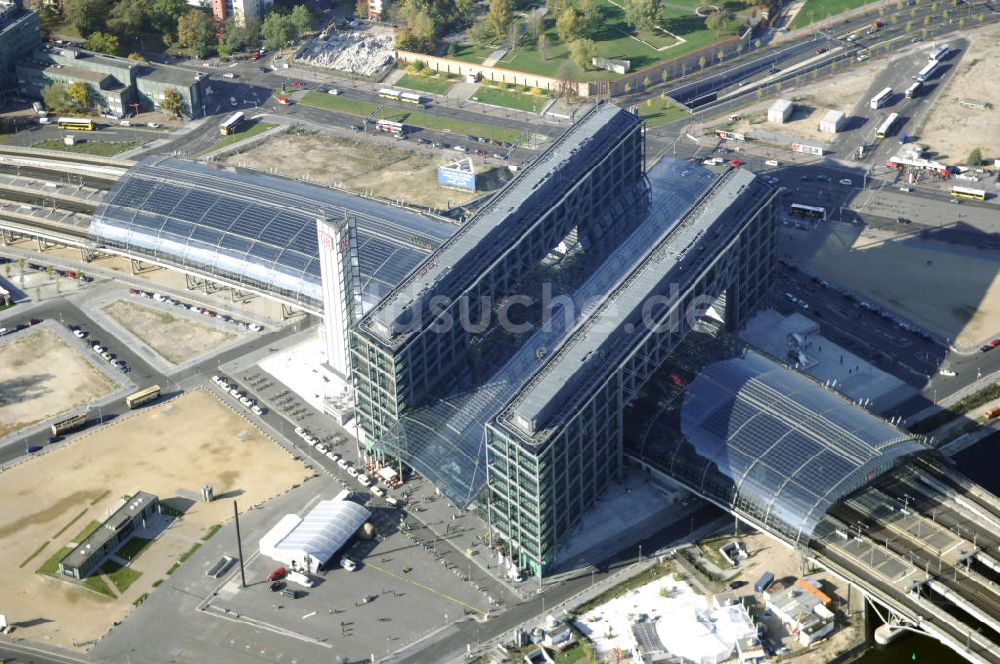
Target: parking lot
[(400, 591), (44, 375)]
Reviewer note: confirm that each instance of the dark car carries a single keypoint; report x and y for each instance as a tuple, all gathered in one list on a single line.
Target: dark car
[(34, 321), (820, 51), (737, 584), (276, 586), (288, 592), (54, 439)]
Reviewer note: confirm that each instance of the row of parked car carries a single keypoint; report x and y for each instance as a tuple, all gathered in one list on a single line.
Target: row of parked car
[(38, 267), (234, 391), (344, 464), (20, 326), (101, 350), (208, 313)]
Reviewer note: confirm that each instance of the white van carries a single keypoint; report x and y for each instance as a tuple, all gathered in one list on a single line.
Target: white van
[(392, 501), (301, 579)]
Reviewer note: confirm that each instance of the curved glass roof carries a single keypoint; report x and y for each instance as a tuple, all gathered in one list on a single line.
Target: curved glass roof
[(778, 446), (445, 442), (257, 230)]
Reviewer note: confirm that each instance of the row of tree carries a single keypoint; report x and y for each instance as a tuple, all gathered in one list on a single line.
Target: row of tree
[(113, 27), (79, 97)]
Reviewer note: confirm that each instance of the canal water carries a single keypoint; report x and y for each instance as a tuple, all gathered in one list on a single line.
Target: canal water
[(978, 463)]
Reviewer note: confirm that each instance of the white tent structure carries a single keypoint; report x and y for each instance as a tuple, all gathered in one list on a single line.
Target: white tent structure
[(311, 542)]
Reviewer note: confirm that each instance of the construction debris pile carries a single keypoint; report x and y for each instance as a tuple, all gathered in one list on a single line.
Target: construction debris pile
[(364, 53)]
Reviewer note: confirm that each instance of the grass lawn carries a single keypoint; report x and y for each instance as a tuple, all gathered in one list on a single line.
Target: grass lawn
[(121, 576), (661, 111), (101, 148), (97, 583), (51, 566), (133, 547), (817, 10), (190, 552), (245, 130), (473, 54), (614, 40), (516, 100), (434, 86), (415, 118), (211, 531)]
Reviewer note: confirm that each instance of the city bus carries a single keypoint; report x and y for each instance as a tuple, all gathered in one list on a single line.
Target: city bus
[(965, 192), (67, 425), (886, 127), (926, 72), (911, 91), (938, 53), (807, 212), (142, 396), (232, 124), (881, 99), (398, 95), (81, 124), (390, 127)]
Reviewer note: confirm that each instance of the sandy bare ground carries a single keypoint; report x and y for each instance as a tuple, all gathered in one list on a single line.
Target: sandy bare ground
[(812, 101), (953, 130), (41, 376), (951, 290), (176, 339), (361, 166), (185, 443)]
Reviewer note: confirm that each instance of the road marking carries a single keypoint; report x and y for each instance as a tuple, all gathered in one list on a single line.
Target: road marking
[(427, 588)]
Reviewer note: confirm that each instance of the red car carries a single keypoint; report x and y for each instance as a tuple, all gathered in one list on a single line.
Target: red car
[(284, 101), (735, 162), (255, 55), (277, 574), (995, 343), (820, 51), (297, 83)]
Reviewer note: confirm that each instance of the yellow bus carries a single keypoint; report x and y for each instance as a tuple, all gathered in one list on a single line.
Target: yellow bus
[(81, 124), (966, 192), (142, 396)]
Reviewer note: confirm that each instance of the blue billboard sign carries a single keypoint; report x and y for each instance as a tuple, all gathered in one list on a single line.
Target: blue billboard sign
[(454, 177)]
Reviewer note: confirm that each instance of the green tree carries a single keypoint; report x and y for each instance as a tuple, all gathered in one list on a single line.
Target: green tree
[(56, 98), (79, 94), (569, 25), (276, 31), (641, 14), (86, 15), (534, 25), (592, 16), (196, 30), (136, 57), (103, 42), (718, 21), (582, 51), (664, 75), (361, 9), (164, 14), (499, 15), (128, 18), (701, 62), (721, 55), (481, 33), (646, 82), (172, 102), (418, 29), (302, 19), (235, 37), (48, 16), (463, 12), (568, 72), (543, 46), (975, 158)]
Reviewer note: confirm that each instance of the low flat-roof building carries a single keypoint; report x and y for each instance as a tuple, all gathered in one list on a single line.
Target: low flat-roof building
[(832, 122), (117, 529), (780, 111), (117, 83)]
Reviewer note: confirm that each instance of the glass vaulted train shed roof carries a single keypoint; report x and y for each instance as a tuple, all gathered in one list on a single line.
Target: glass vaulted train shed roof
[(257, 230), (778, 447)]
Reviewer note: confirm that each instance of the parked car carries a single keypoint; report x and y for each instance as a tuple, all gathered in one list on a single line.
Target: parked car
[(348, 564)]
